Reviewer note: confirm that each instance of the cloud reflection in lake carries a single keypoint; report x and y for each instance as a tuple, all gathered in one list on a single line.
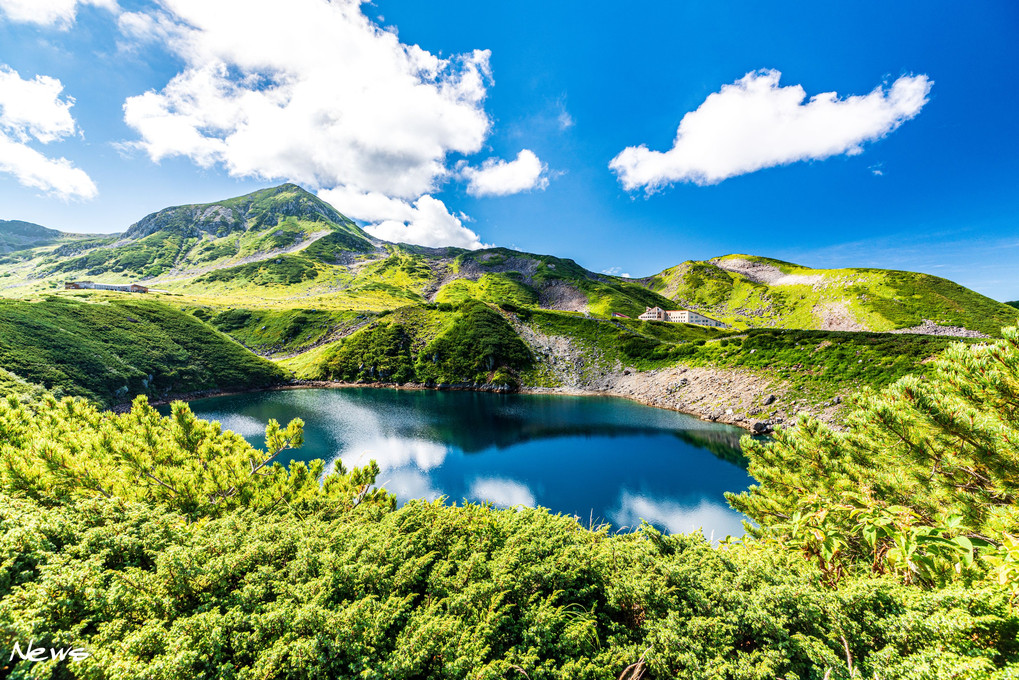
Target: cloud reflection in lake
[(599, 458), (504, 493)]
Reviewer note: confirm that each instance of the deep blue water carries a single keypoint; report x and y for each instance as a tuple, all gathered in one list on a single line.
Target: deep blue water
[(599, 458)]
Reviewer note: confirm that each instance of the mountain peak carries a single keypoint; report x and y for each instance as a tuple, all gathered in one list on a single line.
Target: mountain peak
[(254, 211)]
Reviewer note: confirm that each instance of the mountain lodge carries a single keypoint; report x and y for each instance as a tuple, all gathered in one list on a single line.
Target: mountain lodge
[(122, 287), (679, 316)]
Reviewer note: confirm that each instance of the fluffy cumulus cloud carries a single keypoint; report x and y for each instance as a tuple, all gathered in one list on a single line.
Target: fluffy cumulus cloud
[(426, 221), (755, 123), (497, 177), (33, 111), (57, 13), (320, 95)]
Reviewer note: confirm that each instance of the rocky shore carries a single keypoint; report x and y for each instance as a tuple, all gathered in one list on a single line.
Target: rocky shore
[(735, 397)]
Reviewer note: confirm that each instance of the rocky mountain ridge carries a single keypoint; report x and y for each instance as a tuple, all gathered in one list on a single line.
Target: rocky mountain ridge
[(281, 245)]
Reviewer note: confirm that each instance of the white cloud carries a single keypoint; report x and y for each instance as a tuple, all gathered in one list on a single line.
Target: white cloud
[(32, 110), (316, 94), (497, 177), (616, 271), (58, 13), (505, 493), (142, 27), (426, 222), (409, 483), (754, 123)]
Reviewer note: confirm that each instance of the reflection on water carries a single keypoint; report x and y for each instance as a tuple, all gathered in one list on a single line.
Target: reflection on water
[(716, 518), (502, 492), (598, 458)]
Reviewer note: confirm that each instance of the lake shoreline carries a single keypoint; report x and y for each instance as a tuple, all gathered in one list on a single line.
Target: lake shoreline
[(696, 392)]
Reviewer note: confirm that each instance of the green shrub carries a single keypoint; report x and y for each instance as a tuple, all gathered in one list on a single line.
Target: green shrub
[(478, 342), (921, 481), (377, 354)]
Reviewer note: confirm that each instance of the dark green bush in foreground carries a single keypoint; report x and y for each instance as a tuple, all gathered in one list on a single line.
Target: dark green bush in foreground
[(886, 551), (464, 592)]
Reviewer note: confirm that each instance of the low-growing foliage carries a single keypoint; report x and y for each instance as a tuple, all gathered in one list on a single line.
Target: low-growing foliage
[(59, 451), (433, 591), (921, 481)]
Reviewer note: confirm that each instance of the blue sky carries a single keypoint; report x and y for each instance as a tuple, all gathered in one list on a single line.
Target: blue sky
[(496, 123)]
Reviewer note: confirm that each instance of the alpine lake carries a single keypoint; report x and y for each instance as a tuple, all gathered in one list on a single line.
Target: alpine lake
[(602, 459)]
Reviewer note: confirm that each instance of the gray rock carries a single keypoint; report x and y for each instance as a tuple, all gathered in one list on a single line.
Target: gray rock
[(769, 400)]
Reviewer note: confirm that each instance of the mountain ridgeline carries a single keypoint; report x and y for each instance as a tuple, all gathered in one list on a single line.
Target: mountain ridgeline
[(290, 278), (276, 245)]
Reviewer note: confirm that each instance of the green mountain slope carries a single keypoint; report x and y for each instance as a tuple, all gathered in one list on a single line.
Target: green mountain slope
[(285, 249), (747, 291), (18, 235), (24, 241), (236, 230), (112, 349)]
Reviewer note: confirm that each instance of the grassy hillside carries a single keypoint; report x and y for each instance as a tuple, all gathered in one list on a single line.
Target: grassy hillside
[(568, 348), (1014, 303), (499, 275), (600, 346), (281, 331), (24, 241), (110, 349), (820, 365), (432, 344), (747, 291), (18, 235)]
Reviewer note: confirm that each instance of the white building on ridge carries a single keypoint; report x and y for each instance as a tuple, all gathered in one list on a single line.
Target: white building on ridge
[(679, 316)]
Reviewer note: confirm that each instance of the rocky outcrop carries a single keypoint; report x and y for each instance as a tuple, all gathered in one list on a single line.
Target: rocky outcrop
[(928, 327), (561, 296), (753, 400), (747, 399), (836, 316)]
